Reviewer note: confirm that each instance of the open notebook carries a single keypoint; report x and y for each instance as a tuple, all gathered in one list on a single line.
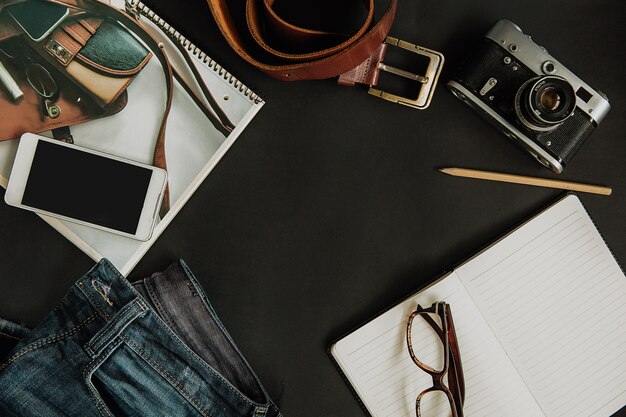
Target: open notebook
[(193, 145), (541, 320)]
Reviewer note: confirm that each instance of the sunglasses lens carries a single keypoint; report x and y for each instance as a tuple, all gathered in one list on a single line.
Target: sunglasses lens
[(7, 51), (41, 80)]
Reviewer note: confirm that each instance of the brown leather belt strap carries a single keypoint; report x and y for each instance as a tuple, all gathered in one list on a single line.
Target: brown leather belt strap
[(274, 40)]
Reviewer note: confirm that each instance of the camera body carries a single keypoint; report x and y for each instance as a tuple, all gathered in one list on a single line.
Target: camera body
[(528, 95)]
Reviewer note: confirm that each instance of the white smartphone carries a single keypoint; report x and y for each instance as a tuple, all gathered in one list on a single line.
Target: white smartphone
[(38, 18), (86, 187)]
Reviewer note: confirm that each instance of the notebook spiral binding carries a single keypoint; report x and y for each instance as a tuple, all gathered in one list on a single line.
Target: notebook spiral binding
[(136, 6)]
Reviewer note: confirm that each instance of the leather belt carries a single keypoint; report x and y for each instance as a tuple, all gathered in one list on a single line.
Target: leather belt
[(288, 52)]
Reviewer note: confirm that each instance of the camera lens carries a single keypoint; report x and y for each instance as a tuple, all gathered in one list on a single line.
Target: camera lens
[(550, 99), (543, 103)]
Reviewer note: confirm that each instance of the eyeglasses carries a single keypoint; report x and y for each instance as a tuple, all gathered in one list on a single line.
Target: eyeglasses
[(432, 344), (37, 75)]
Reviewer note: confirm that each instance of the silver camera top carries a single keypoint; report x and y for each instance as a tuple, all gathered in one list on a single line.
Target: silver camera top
[(510, 37)]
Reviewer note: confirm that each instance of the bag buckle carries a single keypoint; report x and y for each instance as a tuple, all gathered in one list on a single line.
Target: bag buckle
[(58, 51), (428, 80)]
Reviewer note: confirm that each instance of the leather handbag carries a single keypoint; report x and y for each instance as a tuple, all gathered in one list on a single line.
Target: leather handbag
[(90, 62), (98, 54), (73, 104)]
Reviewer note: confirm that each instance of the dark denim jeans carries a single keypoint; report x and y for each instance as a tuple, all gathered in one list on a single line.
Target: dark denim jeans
[(153, 348)]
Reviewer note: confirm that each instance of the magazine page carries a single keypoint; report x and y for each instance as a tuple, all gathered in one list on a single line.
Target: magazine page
[(193, 145)]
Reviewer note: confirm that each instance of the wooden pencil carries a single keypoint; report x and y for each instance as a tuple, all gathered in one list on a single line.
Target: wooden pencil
[(522, 179)]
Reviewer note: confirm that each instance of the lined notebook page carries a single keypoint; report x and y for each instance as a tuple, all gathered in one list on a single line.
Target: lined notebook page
[(556, 300), (376, 361)]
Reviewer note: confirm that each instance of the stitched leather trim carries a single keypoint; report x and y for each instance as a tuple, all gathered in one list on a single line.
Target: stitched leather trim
[(111, 71), (91, 25)]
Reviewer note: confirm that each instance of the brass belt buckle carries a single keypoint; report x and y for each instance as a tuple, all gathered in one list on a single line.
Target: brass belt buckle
[(428, 80)]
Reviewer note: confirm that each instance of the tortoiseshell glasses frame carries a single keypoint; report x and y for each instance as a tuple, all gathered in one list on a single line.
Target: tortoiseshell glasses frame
[(454, 390)]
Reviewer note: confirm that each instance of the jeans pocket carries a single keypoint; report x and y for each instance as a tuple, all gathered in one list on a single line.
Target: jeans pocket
[(121, 383), (102, 401), (99, 396)]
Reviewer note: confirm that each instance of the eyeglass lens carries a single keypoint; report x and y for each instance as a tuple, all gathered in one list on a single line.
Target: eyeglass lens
[(434, 403), (15, 51), (42, 82), (426, 342), (6, 53)]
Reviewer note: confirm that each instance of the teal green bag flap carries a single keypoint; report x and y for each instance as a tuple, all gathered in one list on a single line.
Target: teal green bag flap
[(114, 50)]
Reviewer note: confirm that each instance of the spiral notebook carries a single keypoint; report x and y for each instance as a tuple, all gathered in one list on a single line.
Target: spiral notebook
[(540, 317), (193, 145)]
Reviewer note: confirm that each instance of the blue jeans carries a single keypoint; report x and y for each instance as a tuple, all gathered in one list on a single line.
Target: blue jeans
[(111, 348)]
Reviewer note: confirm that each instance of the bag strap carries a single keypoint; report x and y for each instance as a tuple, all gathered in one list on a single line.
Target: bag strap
[(216, 115), (159, 151), (283, 50)]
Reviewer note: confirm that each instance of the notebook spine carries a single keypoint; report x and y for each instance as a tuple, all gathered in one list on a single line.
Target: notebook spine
[(345, 378), (137, 7)]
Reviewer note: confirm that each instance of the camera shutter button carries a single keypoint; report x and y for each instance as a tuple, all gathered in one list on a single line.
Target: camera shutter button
[(548, 67)]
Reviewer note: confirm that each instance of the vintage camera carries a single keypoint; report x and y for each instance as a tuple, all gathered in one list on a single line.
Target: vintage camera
[(528, 95)]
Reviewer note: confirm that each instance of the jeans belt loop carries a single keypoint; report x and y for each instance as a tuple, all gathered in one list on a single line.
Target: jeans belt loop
[(260, 411), (118, 323)]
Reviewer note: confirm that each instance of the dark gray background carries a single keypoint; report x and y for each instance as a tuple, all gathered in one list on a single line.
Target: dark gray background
[(329, 206)]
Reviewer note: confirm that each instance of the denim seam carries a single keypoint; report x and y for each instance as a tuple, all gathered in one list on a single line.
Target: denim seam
[(165, 318), (213, 314), (167, 376), (47, 341), (106, 335), (208, 367), (95, 395), (112, 268), (93, 301), (227, 383), (157, 303), (122, 278), (11, 336)]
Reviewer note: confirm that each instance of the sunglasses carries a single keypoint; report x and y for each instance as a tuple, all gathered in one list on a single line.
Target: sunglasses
[(38, 77)]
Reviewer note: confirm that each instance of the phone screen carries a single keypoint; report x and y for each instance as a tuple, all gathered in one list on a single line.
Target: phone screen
[(37, 17), (87, 187)]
